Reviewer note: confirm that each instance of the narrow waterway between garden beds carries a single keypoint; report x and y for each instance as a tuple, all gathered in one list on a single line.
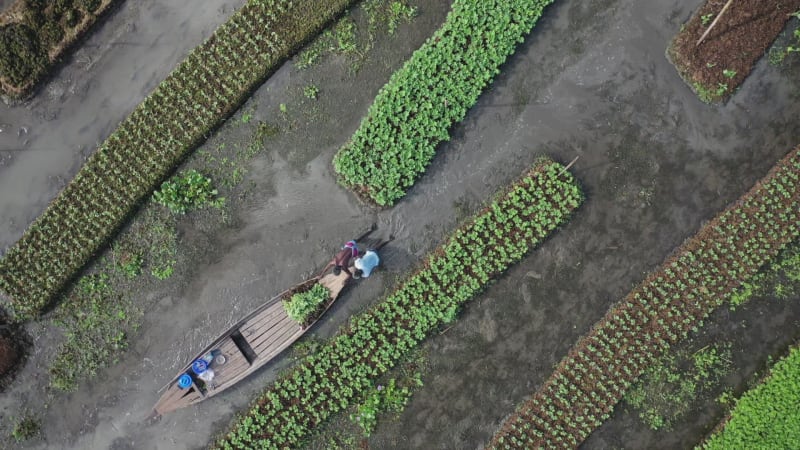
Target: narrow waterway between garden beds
[(591, 81), (44, 141), (655, 163)]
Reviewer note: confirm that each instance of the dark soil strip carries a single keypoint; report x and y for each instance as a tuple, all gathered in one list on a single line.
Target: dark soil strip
[(726, 56), (661, 311), (14, 346), (35, 34)]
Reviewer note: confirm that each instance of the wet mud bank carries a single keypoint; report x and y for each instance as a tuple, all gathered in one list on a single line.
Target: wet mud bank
[(14, 348)]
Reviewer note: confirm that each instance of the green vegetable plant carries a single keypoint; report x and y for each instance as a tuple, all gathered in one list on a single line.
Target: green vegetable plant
[(187, 191), (302, 307), (339, 372), (26, 428), (196, 98), (433, 90), (670, 303), (383, 398), (398, 12), (766, 416), (311, 91)]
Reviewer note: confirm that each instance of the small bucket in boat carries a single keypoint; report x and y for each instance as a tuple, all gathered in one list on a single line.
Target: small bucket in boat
[(199, 366), (184, 381)]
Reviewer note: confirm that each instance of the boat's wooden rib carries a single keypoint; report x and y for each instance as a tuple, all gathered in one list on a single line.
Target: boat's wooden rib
[(246, 346)]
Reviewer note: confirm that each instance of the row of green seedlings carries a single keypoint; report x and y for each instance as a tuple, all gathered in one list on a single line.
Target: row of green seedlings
[(171, 122), (766, 416), (433, 91), (373, 342), (35, 33), (670, 303)]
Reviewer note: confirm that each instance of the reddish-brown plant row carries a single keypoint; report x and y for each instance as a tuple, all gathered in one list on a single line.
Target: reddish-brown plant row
[(663, 309)]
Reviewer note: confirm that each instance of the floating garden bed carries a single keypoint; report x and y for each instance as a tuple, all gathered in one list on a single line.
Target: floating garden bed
[(715, 67), (671, 302), (34, 34), (767, 416), (413, 112), (197, 97), (373, 342)]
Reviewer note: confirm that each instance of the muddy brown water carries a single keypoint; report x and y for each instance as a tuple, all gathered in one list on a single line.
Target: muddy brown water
[(591, 81)]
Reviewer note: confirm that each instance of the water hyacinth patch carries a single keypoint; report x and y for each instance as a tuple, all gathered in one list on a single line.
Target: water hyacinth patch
[(433, 91), (326, 382)]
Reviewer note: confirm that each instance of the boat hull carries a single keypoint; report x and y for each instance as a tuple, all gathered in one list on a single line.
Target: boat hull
[(246, 346)]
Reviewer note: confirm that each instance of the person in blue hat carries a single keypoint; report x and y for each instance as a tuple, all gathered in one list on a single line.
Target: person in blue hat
[(349, 251)]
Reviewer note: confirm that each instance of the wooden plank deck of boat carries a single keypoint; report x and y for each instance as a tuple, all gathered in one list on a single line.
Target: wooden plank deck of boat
[(268, 334), (263, 336)]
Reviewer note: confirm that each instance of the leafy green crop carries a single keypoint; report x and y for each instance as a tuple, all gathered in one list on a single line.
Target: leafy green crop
[(186, 191), (332, 378), (205, 89), (301, 306), (433, 90), (671, 302), (767, 416)]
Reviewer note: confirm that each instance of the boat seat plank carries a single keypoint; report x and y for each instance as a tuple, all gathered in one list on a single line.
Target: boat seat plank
[(235, 361), (243, 347)]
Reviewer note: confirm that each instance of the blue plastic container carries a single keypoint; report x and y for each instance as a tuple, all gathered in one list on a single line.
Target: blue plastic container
[(184, 381), (199, 366)]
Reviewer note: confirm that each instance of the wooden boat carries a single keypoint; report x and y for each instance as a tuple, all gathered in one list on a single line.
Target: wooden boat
[(245, 347)]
